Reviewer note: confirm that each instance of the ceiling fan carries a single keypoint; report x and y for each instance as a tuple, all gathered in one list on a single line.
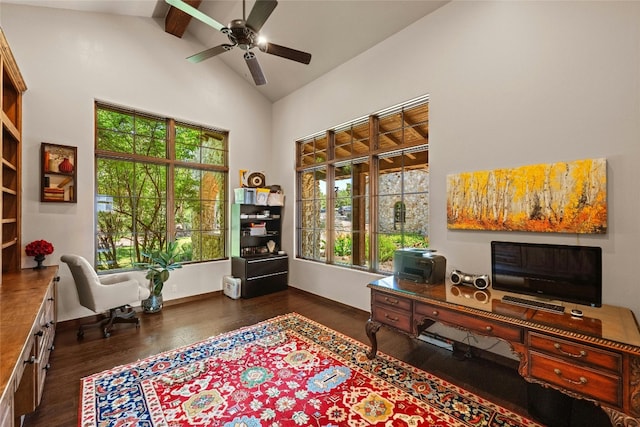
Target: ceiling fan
[(244, 33)]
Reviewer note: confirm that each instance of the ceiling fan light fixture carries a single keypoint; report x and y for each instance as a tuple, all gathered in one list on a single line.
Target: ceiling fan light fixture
[(244, 34)]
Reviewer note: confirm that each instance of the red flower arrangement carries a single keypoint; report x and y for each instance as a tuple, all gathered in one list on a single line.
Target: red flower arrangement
[(39, 248)]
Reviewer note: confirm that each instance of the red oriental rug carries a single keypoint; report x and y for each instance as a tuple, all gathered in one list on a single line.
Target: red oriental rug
[(287, 371)]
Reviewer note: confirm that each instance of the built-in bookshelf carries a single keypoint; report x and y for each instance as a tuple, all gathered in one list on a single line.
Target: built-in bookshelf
[(11, 117)]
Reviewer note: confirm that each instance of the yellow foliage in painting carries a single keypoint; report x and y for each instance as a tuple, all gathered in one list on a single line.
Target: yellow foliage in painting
[(560, 197)]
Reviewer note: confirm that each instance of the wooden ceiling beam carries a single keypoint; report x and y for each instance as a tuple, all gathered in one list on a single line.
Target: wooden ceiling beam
[(397, 164), (176, 21), (411, 126), (395, 141), (356, 137)]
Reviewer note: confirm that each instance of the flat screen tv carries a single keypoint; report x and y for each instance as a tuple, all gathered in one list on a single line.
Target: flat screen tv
[(555, 272)]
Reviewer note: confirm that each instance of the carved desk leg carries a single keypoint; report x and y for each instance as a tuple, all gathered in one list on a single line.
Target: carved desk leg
[(618, 419), (634, 386), (371, 328)]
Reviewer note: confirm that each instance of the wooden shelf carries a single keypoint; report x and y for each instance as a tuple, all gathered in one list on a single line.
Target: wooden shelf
[(8, 124), (7, 164), (9, 244), (60, 174), (12, 88)]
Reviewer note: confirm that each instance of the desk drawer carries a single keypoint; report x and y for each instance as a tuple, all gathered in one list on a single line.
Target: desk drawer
[(45, 331), (576, 352), (597, 384), (395, 318), (26, 360), (265, 266), (477, 324), (43, 367), (265, 284), (398, 303)]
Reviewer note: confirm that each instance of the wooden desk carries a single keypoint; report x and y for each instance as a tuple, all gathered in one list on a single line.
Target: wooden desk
[(27, 330), (596, 358)]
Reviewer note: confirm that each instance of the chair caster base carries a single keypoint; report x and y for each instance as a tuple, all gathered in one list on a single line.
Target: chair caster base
[(124, 314)]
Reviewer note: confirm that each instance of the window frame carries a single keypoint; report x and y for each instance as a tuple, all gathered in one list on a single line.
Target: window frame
[(171, 163), (407, 137)]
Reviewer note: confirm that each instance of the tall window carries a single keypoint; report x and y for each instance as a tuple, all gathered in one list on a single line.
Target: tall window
[(363, 189), (158, 180)]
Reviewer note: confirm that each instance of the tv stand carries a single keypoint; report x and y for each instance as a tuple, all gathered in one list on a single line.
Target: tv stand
[(596, 357)]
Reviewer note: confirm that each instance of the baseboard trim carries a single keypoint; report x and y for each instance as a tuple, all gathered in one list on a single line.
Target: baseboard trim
[(75, 323)]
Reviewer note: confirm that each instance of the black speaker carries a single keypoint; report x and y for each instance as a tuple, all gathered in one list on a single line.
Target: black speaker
[(481, 281)]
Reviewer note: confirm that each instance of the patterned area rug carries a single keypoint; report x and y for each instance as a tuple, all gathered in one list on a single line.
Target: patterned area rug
[(287, 371)]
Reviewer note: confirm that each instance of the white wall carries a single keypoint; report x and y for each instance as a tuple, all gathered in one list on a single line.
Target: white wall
[(69, 59), (510, 84)]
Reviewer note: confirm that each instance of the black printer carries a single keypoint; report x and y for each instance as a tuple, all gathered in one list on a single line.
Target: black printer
[(419, 265)]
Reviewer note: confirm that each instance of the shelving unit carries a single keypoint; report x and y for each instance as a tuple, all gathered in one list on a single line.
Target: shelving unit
[(260, 270), (11, 117), (243, 242), (58, 173)]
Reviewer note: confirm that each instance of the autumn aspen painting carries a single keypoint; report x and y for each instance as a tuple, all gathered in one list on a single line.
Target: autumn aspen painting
[(564, 197)]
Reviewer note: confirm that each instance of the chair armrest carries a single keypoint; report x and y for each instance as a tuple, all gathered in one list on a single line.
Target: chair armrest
[(121, 277), (110, 294)]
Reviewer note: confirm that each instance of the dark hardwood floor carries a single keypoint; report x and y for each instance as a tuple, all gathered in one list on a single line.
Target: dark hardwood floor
[(182, 324)]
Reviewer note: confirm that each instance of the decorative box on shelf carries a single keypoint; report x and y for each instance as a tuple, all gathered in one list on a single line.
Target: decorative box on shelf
[(245, 195), (258, 229)]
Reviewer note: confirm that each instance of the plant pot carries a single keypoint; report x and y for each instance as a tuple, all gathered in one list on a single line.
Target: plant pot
[(153, 304)]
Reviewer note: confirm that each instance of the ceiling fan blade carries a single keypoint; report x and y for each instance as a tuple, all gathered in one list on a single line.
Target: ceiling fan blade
[(188, 9), (209, 53), (254, 67), (286, 52), (260, 13)]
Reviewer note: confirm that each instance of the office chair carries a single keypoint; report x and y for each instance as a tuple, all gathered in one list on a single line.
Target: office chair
[(112, 293)]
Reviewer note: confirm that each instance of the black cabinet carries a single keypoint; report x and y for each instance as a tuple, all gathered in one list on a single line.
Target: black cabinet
[(256, 233), (261, 274)]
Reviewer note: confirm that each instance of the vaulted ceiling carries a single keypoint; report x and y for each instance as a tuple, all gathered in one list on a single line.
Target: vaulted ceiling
[(332, 31)]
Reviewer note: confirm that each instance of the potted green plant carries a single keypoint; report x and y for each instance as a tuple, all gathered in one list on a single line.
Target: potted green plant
[(159, 266)]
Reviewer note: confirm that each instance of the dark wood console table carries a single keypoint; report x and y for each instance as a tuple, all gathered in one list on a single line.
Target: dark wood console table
[(596, 357)]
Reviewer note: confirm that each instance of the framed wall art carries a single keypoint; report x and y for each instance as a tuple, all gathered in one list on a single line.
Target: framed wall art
[(58, 173), (563, 197)]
